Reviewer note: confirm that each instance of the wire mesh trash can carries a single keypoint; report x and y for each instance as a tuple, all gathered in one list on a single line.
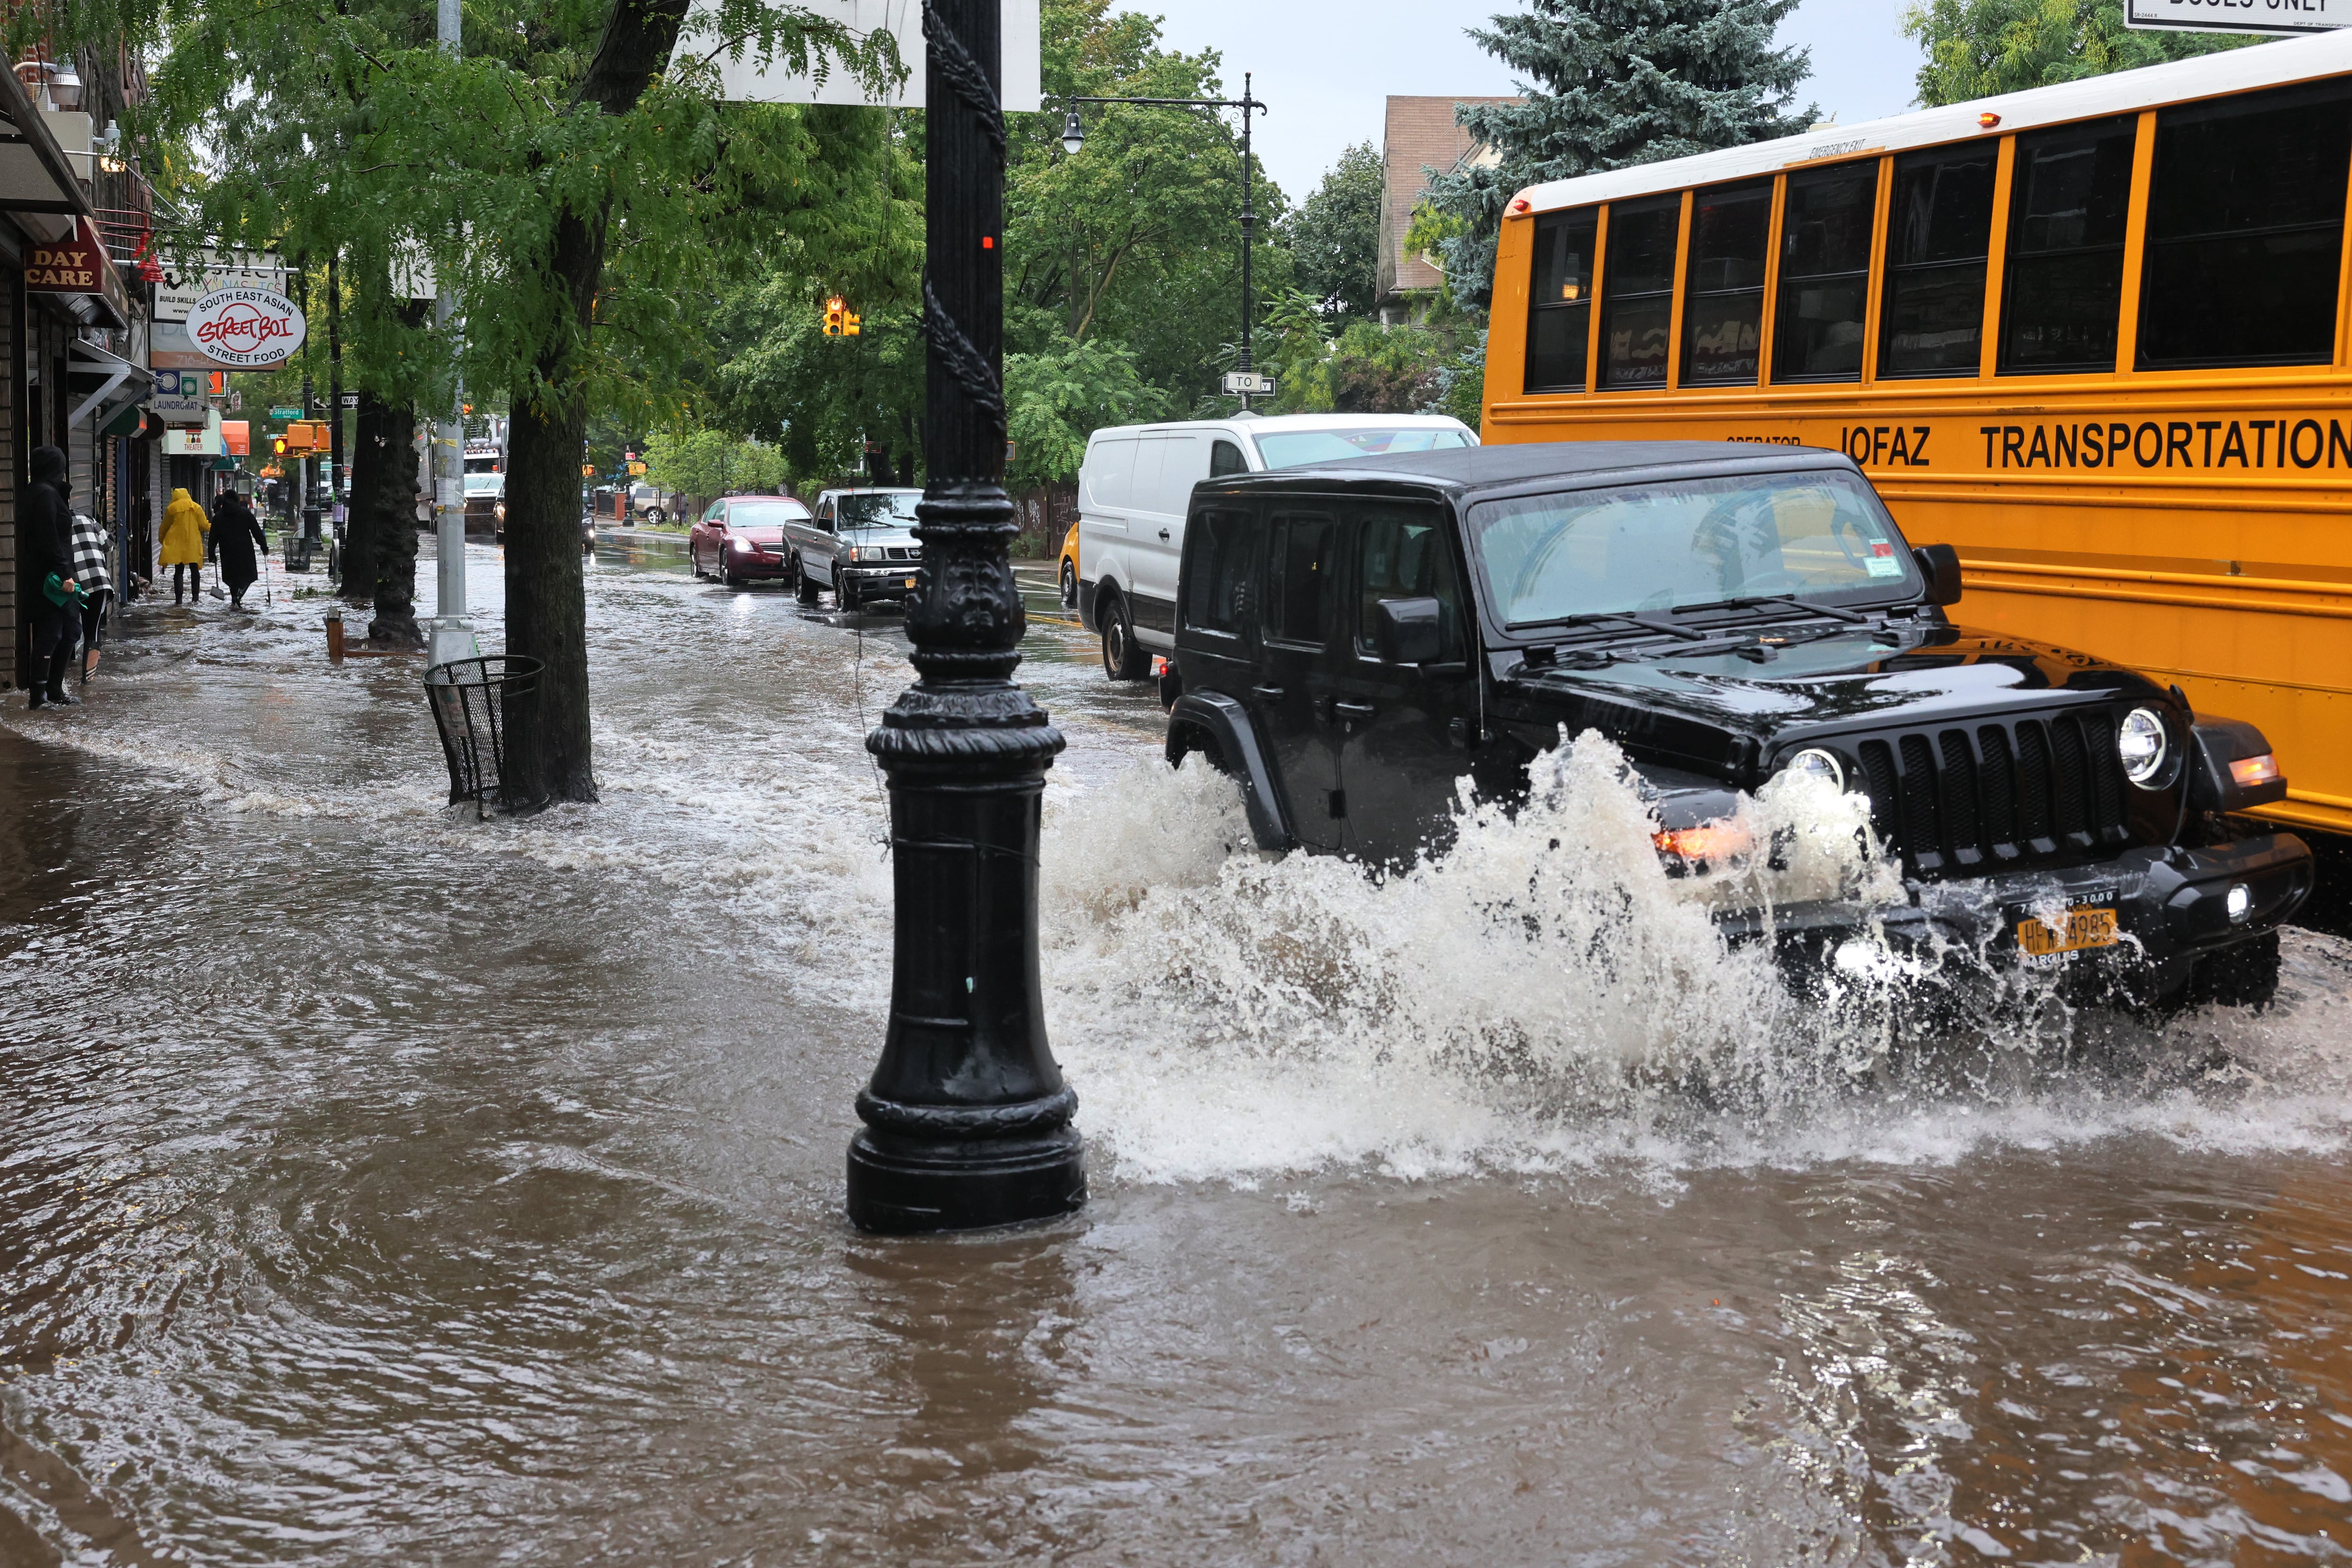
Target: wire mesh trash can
[(469, 698)]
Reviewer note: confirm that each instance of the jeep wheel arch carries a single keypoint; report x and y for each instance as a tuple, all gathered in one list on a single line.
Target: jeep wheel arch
[(1219, 727)]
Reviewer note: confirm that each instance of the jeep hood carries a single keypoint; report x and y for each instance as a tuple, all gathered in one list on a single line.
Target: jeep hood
[(1718, 710)]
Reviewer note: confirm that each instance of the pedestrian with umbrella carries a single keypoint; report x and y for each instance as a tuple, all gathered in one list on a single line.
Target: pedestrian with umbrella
[(45, 519), (238, 541), (185, 527)]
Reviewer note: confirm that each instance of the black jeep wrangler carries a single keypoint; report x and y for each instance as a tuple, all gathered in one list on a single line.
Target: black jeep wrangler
[(1354, 638)]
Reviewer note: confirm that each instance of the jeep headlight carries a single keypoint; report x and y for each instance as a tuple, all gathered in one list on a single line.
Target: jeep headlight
[(1815, 763), (1702, 847), (2143, 745)]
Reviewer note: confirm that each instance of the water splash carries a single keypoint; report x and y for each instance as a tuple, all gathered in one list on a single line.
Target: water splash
[(1544, 995)]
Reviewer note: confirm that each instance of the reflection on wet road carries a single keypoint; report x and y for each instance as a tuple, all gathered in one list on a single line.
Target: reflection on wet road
[(384, 1187)]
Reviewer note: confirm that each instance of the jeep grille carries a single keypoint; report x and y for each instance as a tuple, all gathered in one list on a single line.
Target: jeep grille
[(1956, 800)]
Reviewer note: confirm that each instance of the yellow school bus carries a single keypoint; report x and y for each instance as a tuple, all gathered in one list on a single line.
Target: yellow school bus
[(2092, 335)]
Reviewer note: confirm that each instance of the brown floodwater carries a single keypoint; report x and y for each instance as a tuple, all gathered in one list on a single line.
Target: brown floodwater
[(376, 1185)]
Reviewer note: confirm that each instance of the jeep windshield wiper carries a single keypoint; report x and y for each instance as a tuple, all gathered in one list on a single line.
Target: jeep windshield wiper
[(1648, 623), (1750, 601)]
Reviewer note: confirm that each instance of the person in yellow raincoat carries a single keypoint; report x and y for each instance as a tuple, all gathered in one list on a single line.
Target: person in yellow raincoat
[(185, 527)]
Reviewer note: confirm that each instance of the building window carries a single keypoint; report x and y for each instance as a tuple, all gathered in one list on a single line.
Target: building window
[(1637, 315), (1723, 305), (2245, 230), (1559, 301), (1938, 235), (1825, 229), (2063, 284)]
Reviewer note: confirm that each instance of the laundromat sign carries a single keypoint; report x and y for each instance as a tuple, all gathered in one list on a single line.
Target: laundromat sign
[(246, 329)]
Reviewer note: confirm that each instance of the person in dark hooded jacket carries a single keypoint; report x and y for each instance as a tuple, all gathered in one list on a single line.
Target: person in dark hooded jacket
[(237, 537), (45, 523)]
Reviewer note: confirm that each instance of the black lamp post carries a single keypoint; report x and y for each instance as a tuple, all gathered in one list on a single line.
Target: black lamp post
[(967, 1119), (1074, 136)]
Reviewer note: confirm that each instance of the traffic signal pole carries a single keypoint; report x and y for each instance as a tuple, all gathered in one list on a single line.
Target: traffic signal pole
[(452, 635)]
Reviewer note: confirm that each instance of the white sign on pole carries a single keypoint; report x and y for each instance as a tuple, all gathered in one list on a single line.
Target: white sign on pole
[(2238, 15), (186, 281), (744, 81), (246, 329)]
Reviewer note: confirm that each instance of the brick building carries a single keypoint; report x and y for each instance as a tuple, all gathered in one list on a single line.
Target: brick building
[(1420, 134)]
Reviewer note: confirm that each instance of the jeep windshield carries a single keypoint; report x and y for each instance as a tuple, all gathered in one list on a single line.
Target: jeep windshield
[(1289, 449), (896, 510), (1643, 549)]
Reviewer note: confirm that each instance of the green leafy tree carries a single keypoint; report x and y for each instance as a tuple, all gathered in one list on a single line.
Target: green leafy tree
[(704, 464), (1613, 83), (1137, 238), (1979, 48), (587, 196), (1056, 400), (1335, 235)]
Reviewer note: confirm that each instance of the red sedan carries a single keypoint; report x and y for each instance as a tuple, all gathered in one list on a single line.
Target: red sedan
[(741, 538)]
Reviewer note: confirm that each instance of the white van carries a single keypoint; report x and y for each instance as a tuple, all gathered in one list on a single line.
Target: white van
[(1137, 483)]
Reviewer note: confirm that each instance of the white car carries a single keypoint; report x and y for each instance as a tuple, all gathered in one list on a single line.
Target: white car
[(1137, 483)]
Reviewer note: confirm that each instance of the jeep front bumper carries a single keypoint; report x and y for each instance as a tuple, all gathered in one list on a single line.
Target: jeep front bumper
[(2169, 906)]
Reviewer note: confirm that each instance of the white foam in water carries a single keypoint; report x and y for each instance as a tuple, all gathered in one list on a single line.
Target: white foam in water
[(1544, 995)]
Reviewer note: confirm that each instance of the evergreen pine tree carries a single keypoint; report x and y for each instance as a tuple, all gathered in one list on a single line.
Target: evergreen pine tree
[(1613, 82)]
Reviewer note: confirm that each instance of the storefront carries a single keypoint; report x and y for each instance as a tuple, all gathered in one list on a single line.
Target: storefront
[(73, 347)]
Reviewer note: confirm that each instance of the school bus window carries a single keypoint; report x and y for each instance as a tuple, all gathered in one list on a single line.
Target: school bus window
[(1824, 273), (2063, 284), (1938, 232), (1638, 307), (1723, 301), (2245, 230), (1559, 301)]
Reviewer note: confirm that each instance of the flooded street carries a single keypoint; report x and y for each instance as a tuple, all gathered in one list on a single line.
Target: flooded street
[(385, 1186)]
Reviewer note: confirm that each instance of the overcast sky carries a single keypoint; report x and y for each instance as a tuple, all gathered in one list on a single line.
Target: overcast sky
[(1325, 66)]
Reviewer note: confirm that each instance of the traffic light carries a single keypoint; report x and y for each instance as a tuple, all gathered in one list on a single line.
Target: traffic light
[(836, 317), (636, 470), (587, 470), (849, 323), (277, 446)]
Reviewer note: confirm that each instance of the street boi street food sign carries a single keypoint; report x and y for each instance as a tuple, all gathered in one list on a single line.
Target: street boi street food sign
[(246, 328)]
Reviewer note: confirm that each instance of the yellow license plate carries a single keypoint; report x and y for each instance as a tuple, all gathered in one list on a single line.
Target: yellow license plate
[(2084, 928)]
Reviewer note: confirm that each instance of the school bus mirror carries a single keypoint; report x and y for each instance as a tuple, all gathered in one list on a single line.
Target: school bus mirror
[(1940, 564)]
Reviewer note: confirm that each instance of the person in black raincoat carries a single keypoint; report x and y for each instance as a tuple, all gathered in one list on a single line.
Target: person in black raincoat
[(237, 537), (45, 521)]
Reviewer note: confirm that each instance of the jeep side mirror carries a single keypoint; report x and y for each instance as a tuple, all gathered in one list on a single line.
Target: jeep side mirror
[(1410, 631), (1940, 564)]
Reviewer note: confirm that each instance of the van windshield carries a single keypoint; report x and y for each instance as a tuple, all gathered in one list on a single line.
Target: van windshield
[(1688, 542), (1289, 449), (486, 484)]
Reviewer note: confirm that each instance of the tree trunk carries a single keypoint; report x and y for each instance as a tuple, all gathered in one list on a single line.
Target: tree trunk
[(361, 528), (546, 732), (548, 738), (383, 507)]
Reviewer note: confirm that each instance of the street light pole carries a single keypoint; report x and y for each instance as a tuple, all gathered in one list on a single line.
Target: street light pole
[(1074, 136), (453, 635), (967, 1118)]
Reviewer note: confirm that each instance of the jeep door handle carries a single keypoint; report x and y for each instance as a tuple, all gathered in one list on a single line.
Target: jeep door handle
[(1267, 693), (1354, 710)]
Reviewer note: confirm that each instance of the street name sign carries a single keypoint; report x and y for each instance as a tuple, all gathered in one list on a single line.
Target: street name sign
[(2238, 15), (1250, 383), (745, 81)]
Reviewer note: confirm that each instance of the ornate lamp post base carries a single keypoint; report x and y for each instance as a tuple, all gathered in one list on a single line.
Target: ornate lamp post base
[(903, 1185)]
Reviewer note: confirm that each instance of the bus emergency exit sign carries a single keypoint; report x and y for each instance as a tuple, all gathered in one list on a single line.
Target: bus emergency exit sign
[(2238, 15)]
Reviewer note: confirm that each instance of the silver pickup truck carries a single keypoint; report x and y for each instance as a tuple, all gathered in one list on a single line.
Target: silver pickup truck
[(857, 544)]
